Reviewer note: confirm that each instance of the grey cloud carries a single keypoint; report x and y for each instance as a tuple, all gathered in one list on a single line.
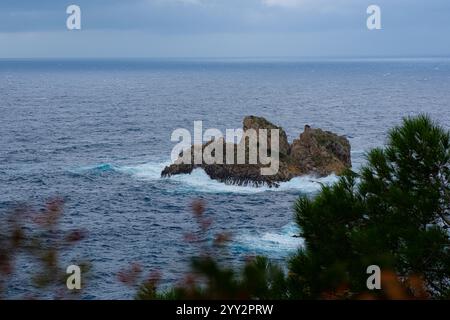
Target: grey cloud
[(315, 23)]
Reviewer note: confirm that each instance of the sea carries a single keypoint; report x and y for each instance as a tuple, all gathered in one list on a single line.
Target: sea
[(97, 133)]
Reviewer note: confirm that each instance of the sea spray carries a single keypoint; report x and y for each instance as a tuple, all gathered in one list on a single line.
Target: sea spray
[(199, 181)]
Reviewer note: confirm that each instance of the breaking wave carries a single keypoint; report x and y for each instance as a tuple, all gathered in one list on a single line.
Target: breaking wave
[(282, 243), (199, 181)]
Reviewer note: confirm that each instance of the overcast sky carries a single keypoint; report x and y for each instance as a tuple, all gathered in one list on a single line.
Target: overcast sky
[(224, 28)]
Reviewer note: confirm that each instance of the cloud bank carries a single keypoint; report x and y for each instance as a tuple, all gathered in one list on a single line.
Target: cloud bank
[(233, 27)]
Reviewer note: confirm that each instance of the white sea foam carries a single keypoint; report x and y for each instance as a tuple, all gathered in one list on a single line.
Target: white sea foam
[(146, 171), (201, 182), (283, 241)]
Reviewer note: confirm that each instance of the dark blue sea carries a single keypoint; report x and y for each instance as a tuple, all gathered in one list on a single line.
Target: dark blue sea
[(97, 134)]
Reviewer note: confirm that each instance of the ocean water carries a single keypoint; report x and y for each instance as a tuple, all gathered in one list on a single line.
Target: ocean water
[(97, 133)]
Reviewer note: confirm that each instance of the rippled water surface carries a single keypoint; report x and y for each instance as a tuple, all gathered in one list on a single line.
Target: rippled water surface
[(98, 134)]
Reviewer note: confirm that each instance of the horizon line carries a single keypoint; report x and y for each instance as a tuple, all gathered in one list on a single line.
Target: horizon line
[(333, 57)]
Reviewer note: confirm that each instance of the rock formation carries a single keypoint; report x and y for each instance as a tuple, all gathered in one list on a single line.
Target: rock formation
[(315, 152)]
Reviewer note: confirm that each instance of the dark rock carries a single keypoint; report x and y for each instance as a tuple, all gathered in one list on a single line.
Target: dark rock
[(315, 152), (257, 123), (321, 152)]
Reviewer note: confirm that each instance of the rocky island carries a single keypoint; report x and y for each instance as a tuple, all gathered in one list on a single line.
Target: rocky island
[(315, 152)]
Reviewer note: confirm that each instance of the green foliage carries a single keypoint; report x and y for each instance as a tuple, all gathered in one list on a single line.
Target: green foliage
[(394, 214), (259, 279), (209, 278)]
